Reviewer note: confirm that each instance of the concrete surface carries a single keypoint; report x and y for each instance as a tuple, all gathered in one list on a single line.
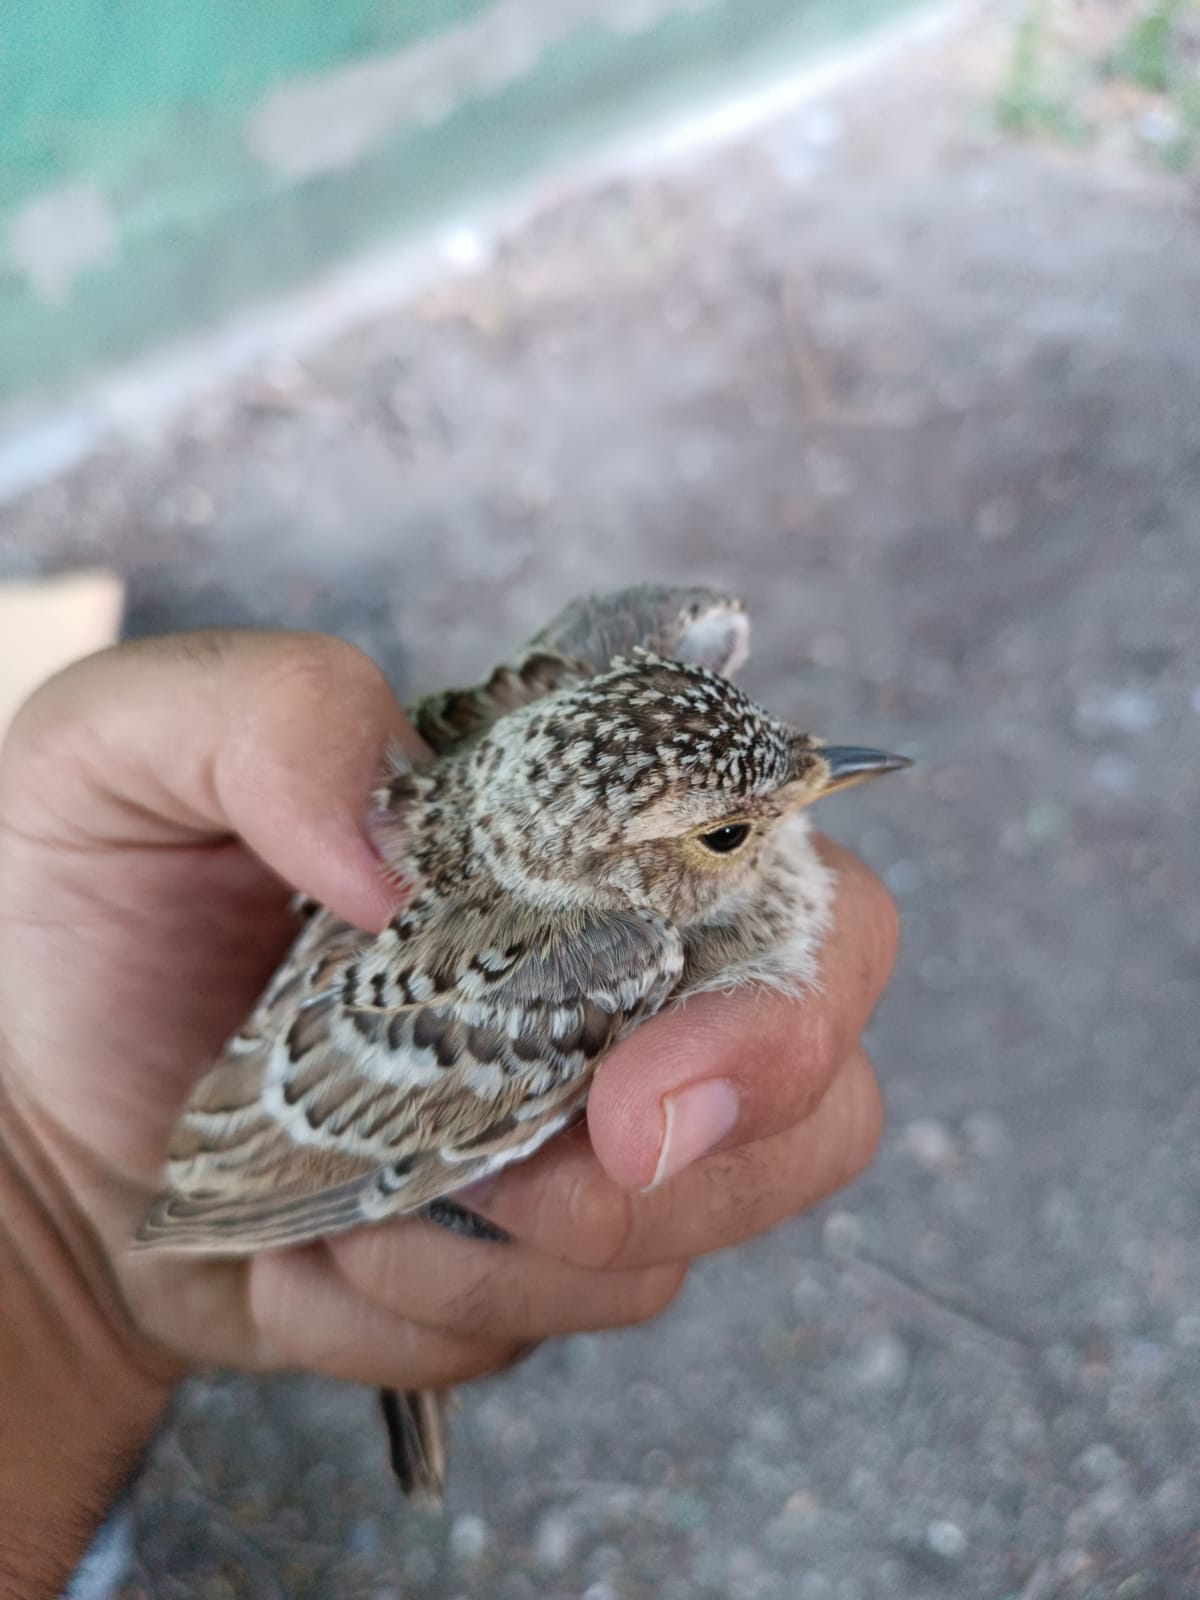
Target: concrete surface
[(931, 402)]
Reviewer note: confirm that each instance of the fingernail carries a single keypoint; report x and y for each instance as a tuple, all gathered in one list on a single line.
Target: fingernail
[(696, 1119), (381, 831), (382, 838)]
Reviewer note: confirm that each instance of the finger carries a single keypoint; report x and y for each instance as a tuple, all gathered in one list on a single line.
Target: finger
[(728, 1069), (275, 737), (504, 1291), (564, 1204), (306, 1314)]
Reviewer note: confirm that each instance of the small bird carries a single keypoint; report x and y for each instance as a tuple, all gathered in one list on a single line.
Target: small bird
[(608, 824)]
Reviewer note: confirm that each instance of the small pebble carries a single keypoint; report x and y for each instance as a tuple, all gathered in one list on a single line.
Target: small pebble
[(1097, 1515), (1132, 711), (810, 1297), (468, 1538), (686, 1511), (842, 1234), (1100, 1462), (931, 1145), (582, 1353), (364, 1539), (946, 1540), (555, 1541), (1046, 820), (1158, 126), (882, 1367), (1122, 711)]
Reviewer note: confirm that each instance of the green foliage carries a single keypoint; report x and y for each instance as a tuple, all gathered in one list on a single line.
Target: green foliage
[(1148, 55), (1154, 57), (1050, 75), (1030, 102)]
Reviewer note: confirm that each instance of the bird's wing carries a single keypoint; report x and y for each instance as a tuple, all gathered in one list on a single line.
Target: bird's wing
[(691, 624), (696, 625), (375, 1077)]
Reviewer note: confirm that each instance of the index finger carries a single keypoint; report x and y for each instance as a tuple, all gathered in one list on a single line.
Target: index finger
[(277, 738), (761, 1061)]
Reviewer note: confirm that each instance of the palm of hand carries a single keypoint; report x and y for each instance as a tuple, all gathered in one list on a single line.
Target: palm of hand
[(131, 964)]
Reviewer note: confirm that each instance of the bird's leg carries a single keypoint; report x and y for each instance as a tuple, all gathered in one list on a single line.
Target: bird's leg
[(457, 1219)]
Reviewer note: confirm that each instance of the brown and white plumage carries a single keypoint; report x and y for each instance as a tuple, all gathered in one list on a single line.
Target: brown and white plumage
[(377, 1076), (570, 860)]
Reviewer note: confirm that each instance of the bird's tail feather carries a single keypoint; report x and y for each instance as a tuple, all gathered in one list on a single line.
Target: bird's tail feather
[(416, 1425)]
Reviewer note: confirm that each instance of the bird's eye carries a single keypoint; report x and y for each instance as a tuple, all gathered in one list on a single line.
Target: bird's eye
[(724, 841)]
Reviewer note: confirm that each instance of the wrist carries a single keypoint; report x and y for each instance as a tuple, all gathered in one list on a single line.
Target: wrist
[(80, 1390)]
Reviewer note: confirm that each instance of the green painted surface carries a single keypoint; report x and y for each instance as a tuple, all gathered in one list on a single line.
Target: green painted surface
[(205, 228), (120, 90)]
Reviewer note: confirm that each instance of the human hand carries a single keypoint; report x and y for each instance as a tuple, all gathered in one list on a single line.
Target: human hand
[(158, 803)]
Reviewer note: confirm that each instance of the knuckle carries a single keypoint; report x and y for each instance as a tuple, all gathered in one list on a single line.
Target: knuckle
[(269, 1306), (600, 1222), (206, 650), (44, 728), (465, 1362), (866, 1120), (868, 915), (653, 1291), (471, 1307), (882, 932), (316, 667), (309, 692), (47, 743), (886, 923), (815, 1065), (35, 739)]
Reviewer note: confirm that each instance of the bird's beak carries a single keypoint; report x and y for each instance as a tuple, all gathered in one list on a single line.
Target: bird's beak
[(849, 764)]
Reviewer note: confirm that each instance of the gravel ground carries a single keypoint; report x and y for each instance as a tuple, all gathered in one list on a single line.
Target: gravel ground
[(930, 402)]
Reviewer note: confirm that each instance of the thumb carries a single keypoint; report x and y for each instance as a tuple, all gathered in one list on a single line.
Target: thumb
[(723, 1070)]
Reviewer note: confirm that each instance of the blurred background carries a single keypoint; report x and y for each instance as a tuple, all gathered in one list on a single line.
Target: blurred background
[(409, 321)]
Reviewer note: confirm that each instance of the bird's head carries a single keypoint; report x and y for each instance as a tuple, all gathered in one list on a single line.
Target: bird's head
[(657, 782)]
